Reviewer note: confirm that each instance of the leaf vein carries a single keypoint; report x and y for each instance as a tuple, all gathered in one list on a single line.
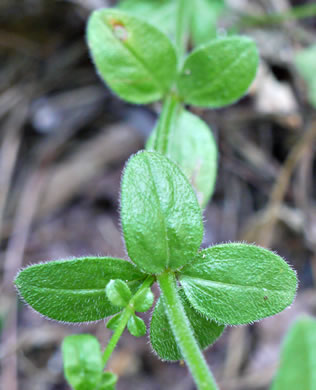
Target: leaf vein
[(210, 87), (161, 213), (231, 285)]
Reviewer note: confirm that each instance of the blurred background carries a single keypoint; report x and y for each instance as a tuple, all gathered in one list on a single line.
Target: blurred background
[(64, 139)]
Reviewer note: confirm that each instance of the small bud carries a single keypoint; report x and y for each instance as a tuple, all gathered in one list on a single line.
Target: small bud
[(118, 293), (136, 326), (144, 300)]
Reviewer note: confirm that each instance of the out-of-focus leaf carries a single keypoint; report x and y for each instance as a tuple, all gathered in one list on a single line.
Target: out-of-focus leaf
[(134, 58), (192, 146), (298, 357), (204, 20), (160, 13), (108, 381), (306, 65), (82, 361), (219, 73)]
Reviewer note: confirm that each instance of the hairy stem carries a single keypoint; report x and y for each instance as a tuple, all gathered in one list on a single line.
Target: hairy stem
[(127, 313), (166, 121), (182, 330), (176, 315)]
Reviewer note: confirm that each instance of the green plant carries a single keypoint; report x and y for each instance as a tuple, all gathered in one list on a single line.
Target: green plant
[(201, 290), (305, 62), (201, 24), (298, 357)]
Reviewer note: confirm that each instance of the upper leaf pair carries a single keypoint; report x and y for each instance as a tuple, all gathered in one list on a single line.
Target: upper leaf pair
[(139, 62)]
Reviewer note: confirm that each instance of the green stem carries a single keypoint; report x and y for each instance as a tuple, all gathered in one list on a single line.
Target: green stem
[(171, 105), (178, 320), (127, 313), (182, 27), (182, 330), (166, 121)]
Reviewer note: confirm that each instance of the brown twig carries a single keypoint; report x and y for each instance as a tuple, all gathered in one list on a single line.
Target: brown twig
[(262, 230), (12, 262)]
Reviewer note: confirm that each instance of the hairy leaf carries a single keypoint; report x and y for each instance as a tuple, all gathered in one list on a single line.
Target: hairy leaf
[(305, 62), (144, 300), (298, 357), (74, 290), (82, 361), (136, 326), (161, 335), (238, 283), (219, 73), (134, 58), (192, 146), (118, 293), (108, 381), (161, 218)]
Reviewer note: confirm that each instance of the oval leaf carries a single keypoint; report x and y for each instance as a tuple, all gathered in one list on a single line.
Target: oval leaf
[(193, 147), (134, 58), (144, 300), (238, 283), (74, 290), (219, 73), (118, 293), (136, 326), (82, 361), (161, 218), (161, 335), (298, 357)]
